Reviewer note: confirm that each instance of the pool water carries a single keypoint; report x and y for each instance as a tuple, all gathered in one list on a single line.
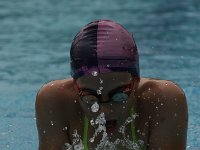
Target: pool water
[(35, 38)]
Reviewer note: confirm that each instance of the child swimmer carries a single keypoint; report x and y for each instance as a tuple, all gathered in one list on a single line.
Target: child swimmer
[(106, 81)]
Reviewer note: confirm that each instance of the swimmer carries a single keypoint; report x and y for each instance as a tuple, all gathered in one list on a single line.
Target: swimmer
[(106, 80)]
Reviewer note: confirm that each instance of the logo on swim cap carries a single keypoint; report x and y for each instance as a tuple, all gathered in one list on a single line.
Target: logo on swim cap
[(103, 46)]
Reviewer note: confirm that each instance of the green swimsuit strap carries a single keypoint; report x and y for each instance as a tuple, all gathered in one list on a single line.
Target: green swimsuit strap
[(85, 130), (133, 132)]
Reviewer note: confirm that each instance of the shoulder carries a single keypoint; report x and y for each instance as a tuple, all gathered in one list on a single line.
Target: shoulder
[(56, 93), (161, 87), (165, 103), (53, 103), (156, 94), (56, 88)]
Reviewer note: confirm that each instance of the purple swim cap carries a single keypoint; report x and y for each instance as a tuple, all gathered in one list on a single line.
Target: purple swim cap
[(103, 46)]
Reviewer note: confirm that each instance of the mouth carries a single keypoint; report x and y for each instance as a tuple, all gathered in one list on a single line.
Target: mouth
[(111, 126)]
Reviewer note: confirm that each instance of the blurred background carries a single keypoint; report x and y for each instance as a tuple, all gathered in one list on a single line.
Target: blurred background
[(35, 38)]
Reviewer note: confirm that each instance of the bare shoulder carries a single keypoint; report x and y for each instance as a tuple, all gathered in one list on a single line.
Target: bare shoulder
[(164, 87), (165, 103), (56, 91), (156, 94), (56, 87), (53, 112)]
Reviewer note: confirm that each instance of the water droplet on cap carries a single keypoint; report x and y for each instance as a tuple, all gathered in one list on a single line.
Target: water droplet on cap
[(94, 73)]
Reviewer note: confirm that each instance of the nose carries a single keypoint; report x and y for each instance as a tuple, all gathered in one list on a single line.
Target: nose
[(106, 108)]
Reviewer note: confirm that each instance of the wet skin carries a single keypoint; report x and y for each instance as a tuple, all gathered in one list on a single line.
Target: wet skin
[(160, 104)]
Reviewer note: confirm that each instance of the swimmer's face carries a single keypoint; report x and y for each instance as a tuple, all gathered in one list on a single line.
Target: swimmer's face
[(113, 92)]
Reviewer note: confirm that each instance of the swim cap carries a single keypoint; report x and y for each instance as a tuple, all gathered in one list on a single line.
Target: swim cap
[(103, 46)]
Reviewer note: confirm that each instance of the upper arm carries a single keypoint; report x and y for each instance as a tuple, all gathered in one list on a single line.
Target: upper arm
[(50, 119), (168, 129)]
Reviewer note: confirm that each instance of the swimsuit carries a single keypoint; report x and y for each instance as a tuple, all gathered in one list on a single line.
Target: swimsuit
[(85, 131)]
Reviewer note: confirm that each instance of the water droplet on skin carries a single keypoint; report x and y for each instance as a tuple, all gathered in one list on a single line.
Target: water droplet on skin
[(79, 146), (143, 134), (98, 92), (94, 73), (165, 83), (67, 146), (51, 84), (100, 81), (175, 115), (65, 129), (95, 107), (134, 115), (52, 123), (92, 140), (92, 122)]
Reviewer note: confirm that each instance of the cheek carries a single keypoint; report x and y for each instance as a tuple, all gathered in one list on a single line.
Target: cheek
[(85, 107)]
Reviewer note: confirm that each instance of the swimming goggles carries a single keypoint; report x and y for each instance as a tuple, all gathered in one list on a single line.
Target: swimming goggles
[(117, 95)]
